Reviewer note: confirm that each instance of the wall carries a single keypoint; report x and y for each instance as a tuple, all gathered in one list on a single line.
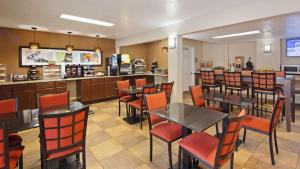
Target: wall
[(150, 52), (11, 39), (268, 60), (198, 46)]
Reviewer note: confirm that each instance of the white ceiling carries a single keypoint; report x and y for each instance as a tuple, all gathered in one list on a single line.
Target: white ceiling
[(130, 17), (285, 26)]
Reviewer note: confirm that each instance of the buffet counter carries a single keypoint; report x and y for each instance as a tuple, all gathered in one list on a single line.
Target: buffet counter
[(84, 89)]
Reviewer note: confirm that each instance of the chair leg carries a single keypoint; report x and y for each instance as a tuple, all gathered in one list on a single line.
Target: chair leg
[(275, 139), (119, 108), (141, 120), (244, 137), (21, 162), (170, 155), (78, 157), (127, 109), (151, 146), (232, 161), (179, 157), (271, 149), (83, 159)]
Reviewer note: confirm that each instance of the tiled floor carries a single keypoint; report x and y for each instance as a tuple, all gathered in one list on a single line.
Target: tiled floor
[(114, 144)]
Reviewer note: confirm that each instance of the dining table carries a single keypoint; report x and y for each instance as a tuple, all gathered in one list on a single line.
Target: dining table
[(191, 118)]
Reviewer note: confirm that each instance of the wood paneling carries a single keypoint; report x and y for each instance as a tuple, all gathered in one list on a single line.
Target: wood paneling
[(11, 39)]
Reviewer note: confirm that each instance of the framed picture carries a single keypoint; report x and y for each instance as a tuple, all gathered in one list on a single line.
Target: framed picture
[(44, 56)]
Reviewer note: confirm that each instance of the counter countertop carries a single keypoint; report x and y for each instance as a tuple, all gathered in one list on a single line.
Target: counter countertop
[(74, 79)]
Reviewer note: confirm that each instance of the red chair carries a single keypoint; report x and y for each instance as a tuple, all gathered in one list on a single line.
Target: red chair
[(168, 132), (233, 82), (10, 158), (167, 87), (140, 103), (139, 83), (209, 80), (265, 126), (210, 151), (10, 106), (63, 135), (123, 97), (51, 102)]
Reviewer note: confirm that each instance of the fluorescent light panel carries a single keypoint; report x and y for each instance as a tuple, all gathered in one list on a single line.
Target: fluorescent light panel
[(237, 34), (85, 20)]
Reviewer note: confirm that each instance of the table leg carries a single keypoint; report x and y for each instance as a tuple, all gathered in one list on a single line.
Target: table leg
[(186, 160)]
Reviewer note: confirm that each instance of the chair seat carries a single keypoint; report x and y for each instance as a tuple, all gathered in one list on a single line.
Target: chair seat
[(200, 102), (136, 104), (64, 153), (156, 119), (201, 145), (255, 123), (167, 131), (14, 156), (125, 99), (14, 140)]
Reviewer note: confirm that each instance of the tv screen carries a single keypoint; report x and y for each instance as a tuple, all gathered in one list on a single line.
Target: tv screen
[(293, 47)]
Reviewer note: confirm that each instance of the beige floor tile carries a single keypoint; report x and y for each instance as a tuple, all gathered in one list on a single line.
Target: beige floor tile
[(108, 123), (130, 139), (143, 166), (97, 138), (92, 127), (121, 160), (141, 150), (106, 149), (118, 130), (101, 117)]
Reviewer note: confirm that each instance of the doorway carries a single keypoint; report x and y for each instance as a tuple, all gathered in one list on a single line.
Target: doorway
[(188, 67)]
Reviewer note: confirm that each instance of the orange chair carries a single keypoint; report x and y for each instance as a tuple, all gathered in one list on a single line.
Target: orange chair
[(140, 103), (10, 106), (210, 151), (139, 83), (51, 102), (10, 158), (209, 80), (167, 87), (168, 132), (123, 97), (233, 82), (264, 126), (63, 135)]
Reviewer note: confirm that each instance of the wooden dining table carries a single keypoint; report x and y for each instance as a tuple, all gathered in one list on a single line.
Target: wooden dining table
[(191, 118)]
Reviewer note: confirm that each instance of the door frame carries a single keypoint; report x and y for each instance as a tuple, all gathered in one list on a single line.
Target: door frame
[(192, 61)]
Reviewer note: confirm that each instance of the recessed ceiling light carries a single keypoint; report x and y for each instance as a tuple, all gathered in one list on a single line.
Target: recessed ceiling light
[(237, 34), (85, 20)]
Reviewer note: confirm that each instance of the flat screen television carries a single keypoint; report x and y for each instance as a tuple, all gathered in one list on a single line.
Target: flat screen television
[(293, 47)]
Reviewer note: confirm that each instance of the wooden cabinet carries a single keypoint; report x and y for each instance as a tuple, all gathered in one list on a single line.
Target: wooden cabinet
[(98, 89), (26, 95), (84, 90), (61, 86), (5, 92), (45, 88), (110, 87)]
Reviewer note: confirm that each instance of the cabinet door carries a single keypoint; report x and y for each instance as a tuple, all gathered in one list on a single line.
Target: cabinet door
[(98, 91), (85, 91), (5, 92), (26, 94)]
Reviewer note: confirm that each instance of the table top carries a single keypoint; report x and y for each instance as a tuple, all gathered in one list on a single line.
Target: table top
[(191, 117), (232, 99), (27, 119), (131, 90)]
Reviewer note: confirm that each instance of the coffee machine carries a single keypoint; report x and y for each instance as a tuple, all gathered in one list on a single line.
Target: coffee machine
[(119, 64)]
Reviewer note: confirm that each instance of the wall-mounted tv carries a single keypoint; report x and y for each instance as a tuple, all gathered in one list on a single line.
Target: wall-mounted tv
[(293, 47)]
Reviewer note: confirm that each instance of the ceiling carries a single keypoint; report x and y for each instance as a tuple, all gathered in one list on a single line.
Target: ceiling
[(285, 26), (130, 17)]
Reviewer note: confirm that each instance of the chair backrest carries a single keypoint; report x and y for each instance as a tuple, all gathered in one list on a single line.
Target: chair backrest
[(207, 77), (123, 84), (140, 82), (167, 87), (196, 93), (4, 150), (276, 112), (233, 79), (8, 106), (229, 138), (153, 102), (63, 132), (53, 101), (280, 74), (263, 81)]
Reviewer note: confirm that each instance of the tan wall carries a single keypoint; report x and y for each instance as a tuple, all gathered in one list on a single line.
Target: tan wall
[(11, 39), (149, 52)]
